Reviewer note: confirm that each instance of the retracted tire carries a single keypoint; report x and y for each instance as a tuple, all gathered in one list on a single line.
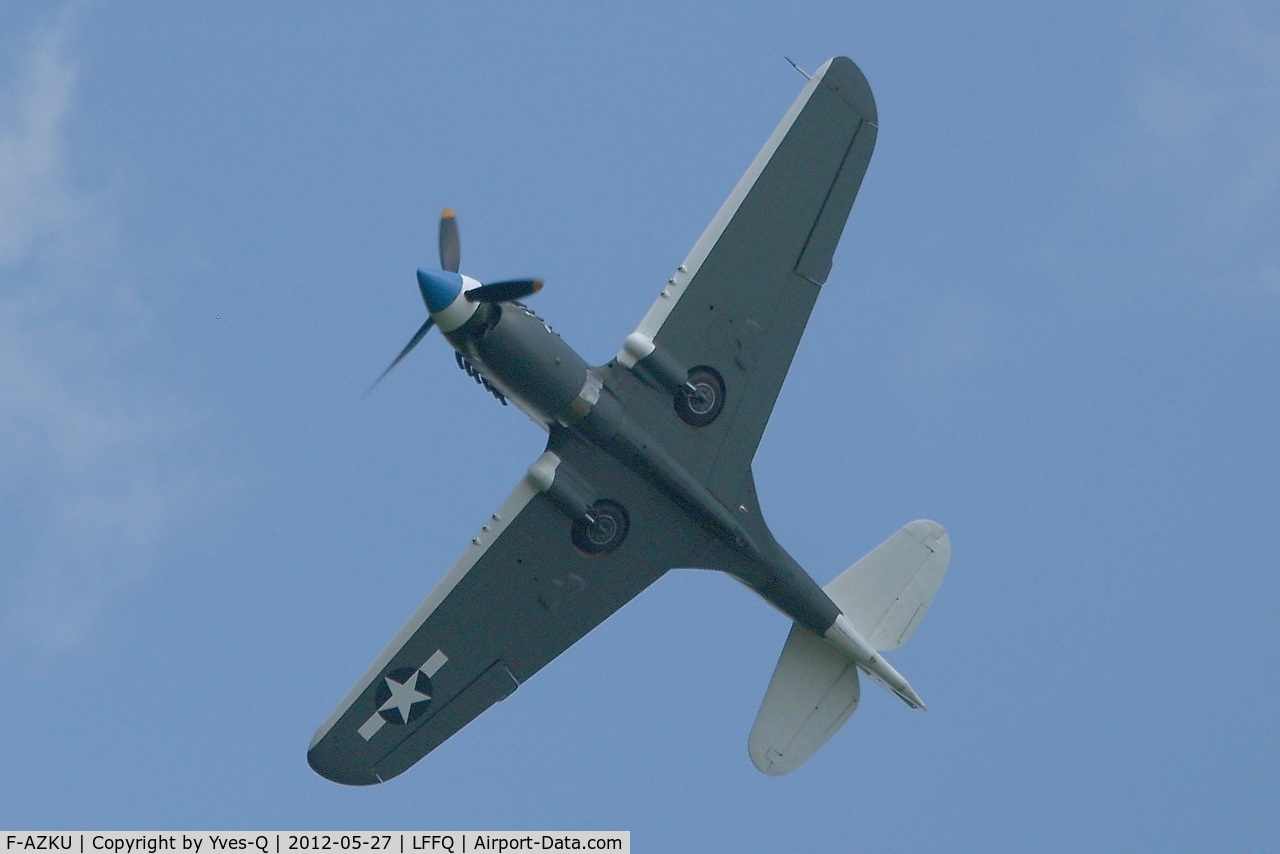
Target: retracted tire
[(604, 531), (701, 400)]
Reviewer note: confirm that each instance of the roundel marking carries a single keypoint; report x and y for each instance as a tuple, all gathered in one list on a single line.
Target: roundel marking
[(404, 695)]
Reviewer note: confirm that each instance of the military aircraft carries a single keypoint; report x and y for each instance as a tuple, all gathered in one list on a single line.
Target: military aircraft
[(648, 468)]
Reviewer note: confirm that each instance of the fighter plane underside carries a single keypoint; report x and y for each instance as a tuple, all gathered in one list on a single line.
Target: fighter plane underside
[(648, 468)]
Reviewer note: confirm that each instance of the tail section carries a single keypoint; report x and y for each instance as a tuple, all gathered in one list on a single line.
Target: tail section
[(885, 594), (813, 692), (815, 687)]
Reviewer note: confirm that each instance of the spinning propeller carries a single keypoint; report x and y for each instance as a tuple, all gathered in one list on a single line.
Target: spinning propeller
[(440, 288)]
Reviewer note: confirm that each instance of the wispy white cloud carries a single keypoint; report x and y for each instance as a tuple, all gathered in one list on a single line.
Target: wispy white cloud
[(92, 476), (34, 106), (1205, 139)]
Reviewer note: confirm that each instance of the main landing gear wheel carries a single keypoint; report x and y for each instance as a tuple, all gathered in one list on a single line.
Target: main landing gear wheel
[(604, 531), (700, 401)]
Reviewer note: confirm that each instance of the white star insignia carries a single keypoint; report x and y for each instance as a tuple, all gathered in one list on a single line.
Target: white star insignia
[(404, 695)]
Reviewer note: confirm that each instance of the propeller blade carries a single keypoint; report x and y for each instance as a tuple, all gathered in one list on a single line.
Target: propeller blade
[(413, 342), (507, 291), (450, 245)]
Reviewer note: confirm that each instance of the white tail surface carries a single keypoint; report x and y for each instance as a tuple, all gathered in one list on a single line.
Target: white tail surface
[(815, 688), (886, 593), (813, 692)]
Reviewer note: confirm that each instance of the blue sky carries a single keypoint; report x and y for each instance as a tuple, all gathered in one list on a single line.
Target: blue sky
[(1051, 325)]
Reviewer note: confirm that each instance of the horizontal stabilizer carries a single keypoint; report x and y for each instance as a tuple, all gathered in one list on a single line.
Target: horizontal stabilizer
[(815, 687), (813, 692), (885, 594)]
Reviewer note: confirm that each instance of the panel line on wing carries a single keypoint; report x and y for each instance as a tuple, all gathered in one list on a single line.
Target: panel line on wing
[(819, 269)]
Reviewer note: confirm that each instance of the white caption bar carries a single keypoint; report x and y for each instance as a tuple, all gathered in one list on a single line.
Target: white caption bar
[(278, 842)]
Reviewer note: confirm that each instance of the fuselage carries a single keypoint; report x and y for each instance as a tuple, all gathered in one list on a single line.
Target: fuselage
[(520, 357), (527, 361)]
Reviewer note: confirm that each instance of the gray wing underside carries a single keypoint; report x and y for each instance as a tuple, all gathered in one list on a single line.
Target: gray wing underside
[(741, 299), (519, 596)]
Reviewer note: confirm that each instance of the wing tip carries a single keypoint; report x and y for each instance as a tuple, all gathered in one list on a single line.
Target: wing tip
[(330, 764), (852, 85)]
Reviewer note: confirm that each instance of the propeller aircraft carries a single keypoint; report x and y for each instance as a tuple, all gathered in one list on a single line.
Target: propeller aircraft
[(648, 468)]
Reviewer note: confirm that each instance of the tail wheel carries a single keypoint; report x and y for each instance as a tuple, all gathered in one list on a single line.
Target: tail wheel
[(602, 530), (701, 400)]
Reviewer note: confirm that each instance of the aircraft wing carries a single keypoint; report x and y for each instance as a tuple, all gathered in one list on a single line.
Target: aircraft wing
[(520, 595), (740, 301)]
